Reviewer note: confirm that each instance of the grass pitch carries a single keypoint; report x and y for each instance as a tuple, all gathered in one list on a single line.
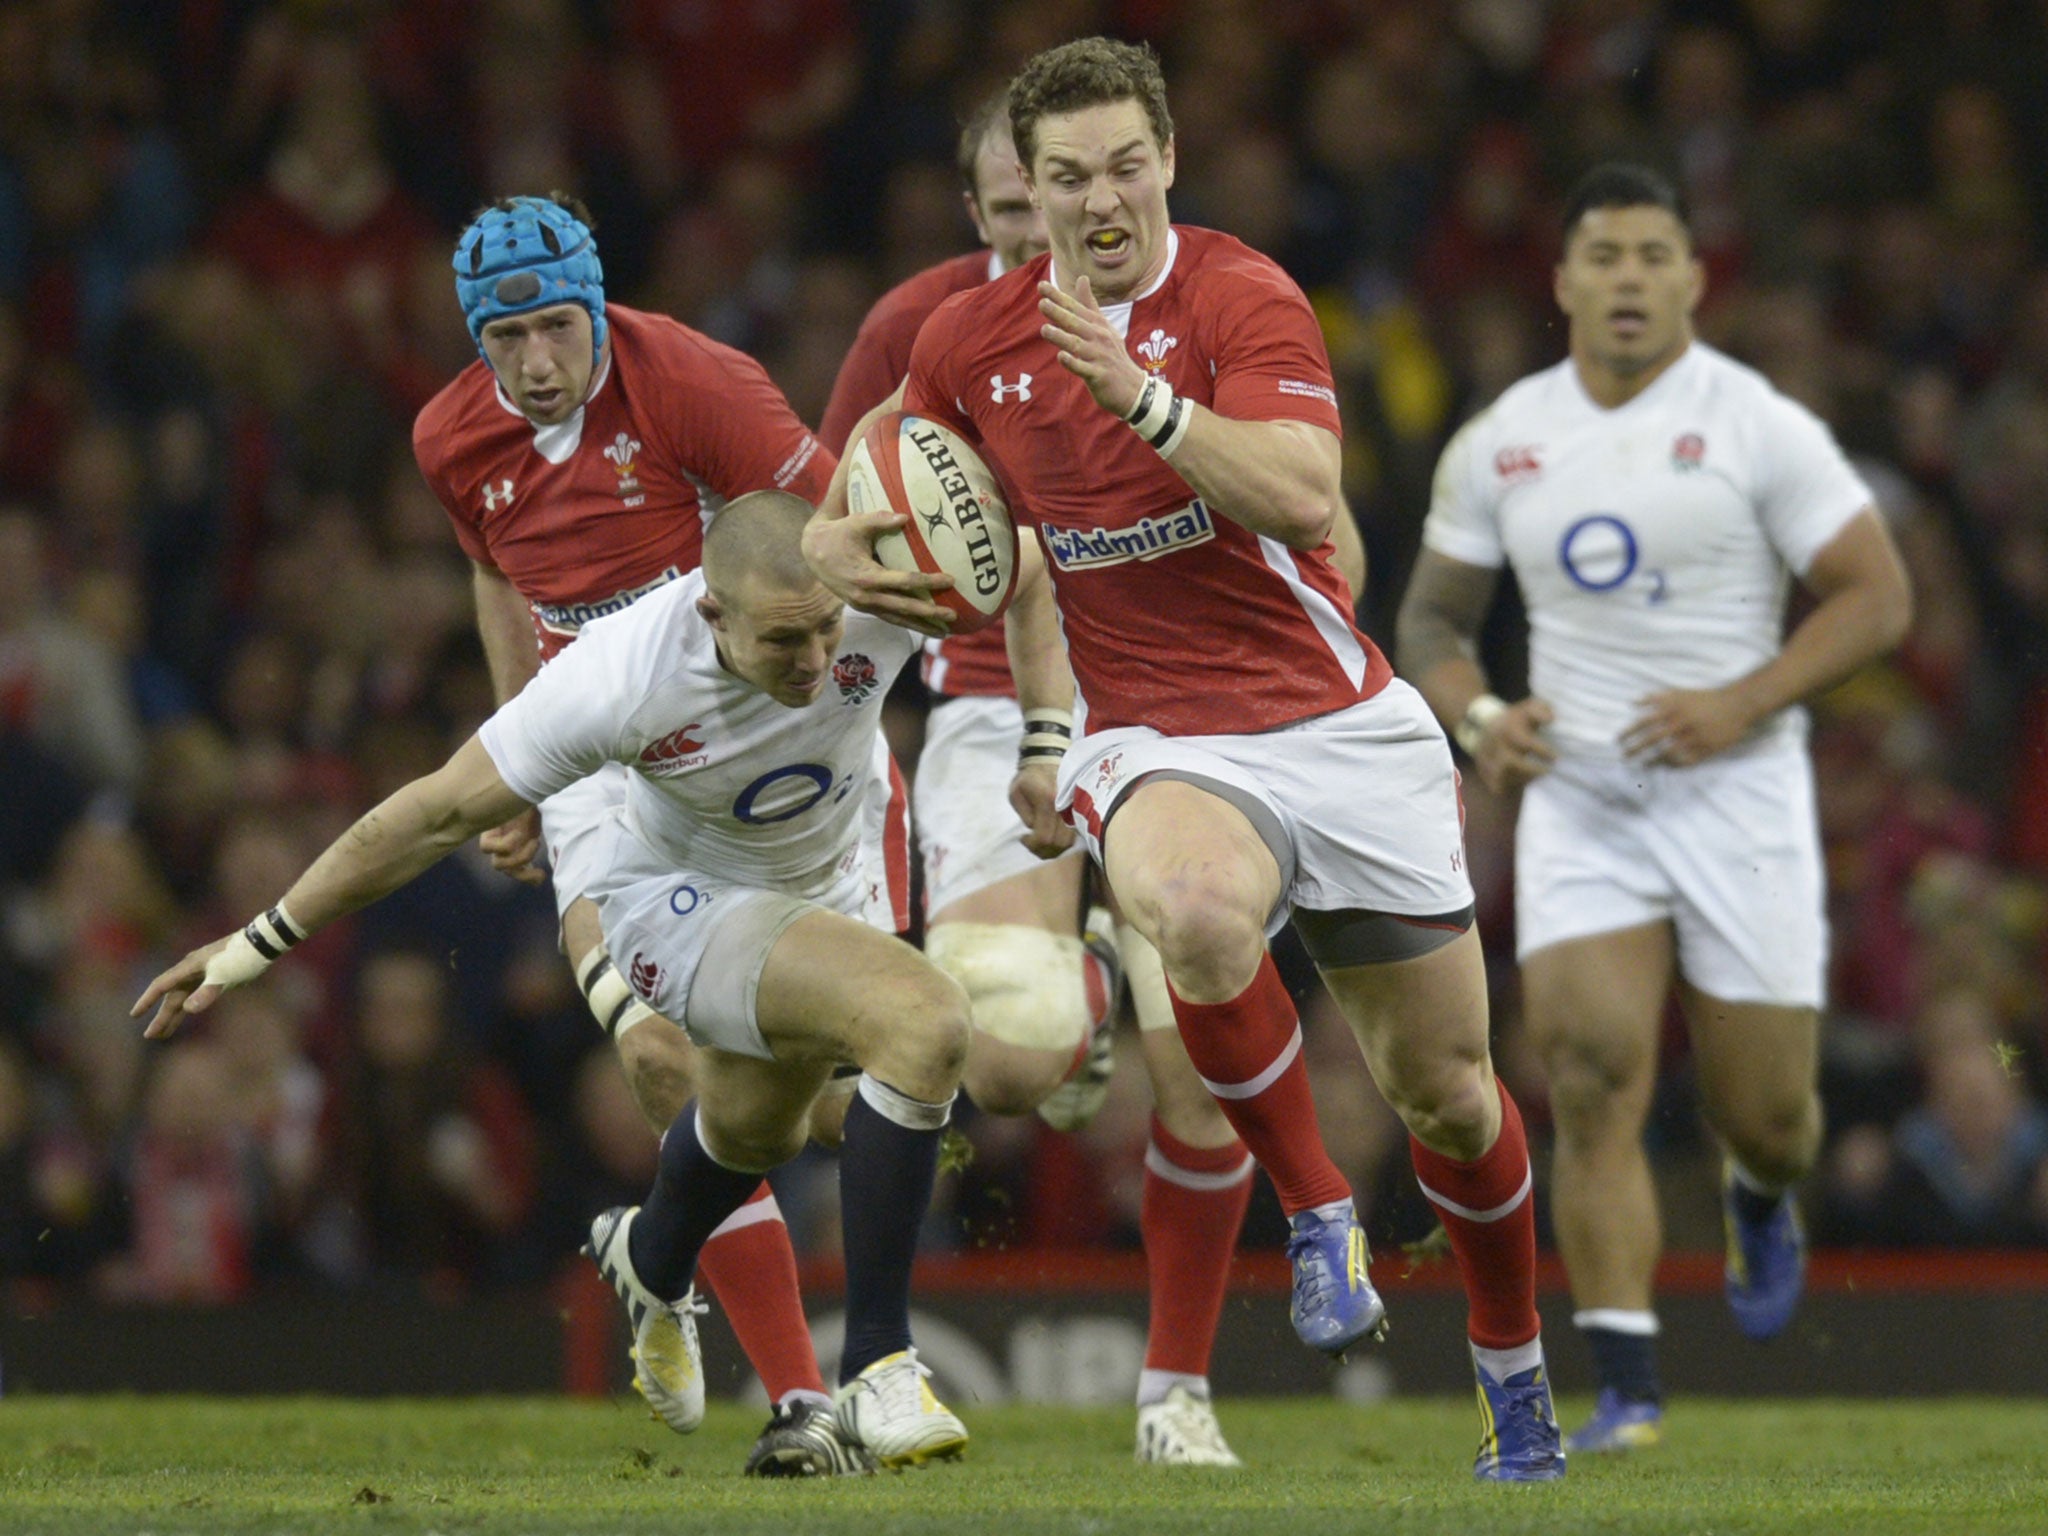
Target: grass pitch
[(173, 1465)]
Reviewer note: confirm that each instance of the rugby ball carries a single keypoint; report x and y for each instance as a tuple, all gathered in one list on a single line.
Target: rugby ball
[(959, 521)]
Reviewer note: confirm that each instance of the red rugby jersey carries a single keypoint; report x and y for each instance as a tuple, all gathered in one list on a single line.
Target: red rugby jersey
[(1175, 617), (874, 366), (584, 517)]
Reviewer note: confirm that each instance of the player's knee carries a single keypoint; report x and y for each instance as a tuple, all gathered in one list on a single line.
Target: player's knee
[(1450, 1106), (926, 1050), (1777, 1141), (1592, 1090), (1209, 940), (754, 1144)]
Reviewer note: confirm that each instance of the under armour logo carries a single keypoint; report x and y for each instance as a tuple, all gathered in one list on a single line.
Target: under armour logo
[(998, 390), (499, 495)]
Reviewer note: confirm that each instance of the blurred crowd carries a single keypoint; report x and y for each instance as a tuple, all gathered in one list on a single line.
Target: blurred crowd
[(232, 616)]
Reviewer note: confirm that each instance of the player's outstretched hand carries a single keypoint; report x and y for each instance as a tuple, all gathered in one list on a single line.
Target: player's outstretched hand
[(841, 552), (1090, 347), (183, 988), (1513, 751), (1686, 726), (1032, 797), (513, 847)]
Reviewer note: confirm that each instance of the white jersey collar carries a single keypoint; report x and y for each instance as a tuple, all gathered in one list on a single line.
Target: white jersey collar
[(1119, 315), (1663, 384), (558, 442)]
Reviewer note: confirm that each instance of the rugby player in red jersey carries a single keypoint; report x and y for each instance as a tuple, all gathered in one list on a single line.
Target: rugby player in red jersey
[(580, 461), (1159, 401), (1006, 925)]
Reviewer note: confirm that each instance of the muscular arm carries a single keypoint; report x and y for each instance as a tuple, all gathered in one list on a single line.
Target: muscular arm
[(1038, 665), (1282, 479), (505, 626), (1031, 630), (1349, 554), (1435, 640), (1437, 630), (390, 846), (1865, 605)]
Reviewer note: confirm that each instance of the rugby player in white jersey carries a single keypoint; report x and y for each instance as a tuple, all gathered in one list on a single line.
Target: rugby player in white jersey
[(734, 892), (1653, 498)]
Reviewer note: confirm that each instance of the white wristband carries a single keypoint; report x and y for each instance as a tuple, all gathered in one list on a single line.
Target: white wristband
[(1479, 716), (237, 965), (1047, 735)]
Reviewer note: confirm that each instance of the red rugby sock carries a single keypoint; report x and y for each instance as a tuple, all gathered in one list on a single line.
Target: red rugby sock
[(1489, 1211), (1192, 1210), (1248, 1052), (751, 1269)]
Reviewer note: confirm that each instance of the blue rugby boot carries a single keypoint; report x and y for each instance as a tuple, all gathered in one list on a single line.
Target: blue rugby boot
[(1518, 1436), (1334, 1304), (1766, 1259), (1618, 1424)]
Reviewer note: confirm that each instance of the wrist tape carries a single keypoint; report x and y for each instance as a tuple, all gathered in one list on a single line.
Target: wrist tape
[(1047, 735), (1161, 417)]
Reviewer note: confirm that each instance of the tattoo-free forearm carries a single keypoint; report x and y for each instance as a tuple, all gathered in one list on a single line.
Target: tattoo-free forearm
[(505, 626), (1278, 478), (398, 840)]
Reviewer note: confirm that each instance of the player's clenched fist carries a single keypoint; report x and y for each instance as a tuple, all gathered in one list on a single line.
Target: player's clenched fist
[(1509, 750)]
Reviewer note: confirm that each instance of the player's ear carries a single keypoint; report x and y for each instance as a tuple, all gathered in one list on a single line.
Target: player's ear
[(713, 614), (1166, 163), (974, 217)]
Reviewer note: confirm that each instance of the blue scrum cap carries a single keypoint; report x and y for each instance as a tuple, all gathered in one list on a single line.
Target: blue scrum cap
[(525, 254)]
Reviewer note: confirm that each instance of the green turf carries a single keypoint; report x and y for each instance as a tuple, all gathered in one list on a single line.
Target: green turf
[(166, 1465)]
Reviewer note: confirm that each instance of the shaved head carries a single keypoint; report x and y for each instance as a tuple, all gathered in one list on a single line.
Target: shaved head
[(776, 625), (759, 537)]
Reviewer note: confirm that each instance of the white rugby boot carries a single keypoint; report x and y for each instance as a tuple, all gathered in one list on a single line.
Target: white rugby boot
[(668, 1365), (1181, 1431), (891, 1409)]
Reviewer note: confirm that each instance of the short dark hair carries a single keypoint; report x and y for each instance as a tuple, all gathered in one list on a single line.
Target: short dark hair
[(1623, 184), (1088, 72), (992, 110)]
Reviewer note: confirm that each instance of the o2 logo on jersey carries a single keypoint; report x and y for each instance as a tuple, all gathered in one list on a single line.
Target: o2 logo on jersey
[(685, 899), (856, 677), (782, 794), (1599, 553)]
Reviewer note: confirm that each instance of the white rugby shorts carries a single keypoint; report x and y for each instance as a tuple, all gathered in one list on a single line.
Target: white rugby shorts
[(692, 946), (571, 819), (967, 835), (1727, 851), (1360, 807)]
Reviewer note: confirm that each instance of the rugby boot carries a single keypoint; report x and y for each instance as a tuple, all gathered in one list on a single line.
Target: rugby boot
[(1766, 1263), (668, 1366), (1334, 1304), (1518, 1436), (1618, 1424), (1072, 1105), (891, 1410), (1181, 1431), (803, 1439)]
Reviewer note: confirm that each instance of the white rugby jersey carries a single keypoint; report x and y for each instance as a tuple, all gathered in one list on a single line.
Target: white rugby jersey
[(725, 780), (1652, 542)]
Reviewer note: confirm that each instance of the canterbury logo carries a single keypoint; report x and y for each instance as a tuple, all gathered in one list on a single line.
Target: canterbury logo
[(998, 391), (499, 495), (1155, 347)]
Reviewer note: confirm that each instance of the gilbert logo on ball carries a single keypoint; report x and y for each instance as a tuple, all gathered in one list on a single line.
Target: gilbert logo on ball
[(959, 519)]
